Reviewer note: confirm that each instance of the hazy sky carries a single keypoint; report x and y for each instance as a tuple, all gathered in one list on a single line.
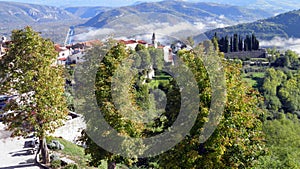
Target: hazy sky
[(62, 3)]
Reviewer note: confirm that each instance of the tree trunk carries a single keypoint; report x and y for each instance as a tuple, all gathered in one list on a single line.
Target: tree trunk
[(44, 151)]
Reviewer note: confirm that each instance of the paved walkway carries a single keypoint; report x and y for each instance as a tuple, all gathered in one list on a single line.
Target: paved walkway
[(13, 155)]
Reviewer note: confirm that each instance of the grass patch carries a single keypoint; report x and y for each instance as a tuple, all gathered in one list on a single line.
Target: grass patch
[(259, 59), (73, 152), (161, 78), (154, 83), (258, 74), (254, 79)]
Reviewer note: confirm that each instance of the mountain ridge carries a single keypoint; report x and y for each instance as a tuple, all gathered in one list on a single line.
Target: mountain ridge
[(87, 11), (28, 13), (201, 14), (285, 25)]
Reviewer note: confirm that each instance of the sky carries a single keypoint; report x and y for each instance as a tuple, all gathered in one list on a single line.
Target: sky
[(66, 3), (282, 6)]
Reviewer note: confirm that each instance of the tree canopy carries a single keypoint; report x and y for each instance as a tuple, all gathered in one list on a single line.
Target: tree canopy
[(236, 142), (27, 71)]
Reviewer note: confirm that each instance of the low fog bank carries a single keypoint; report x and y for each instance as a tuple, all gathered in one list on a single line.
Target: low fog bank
[(282, 43)]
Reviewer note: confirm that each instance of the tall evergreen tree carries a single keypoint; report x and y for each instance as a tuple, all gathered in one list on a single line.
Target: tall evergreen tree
[(255, 42), (231, 44), (235, 43), (215, 41), (247, 43), (222, 44), (240, 43), (250, 44), (226, 45)]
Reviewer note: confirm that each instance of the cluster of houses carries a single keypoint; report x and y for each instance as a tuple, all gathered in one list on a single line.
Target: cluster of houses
[(72, 54)]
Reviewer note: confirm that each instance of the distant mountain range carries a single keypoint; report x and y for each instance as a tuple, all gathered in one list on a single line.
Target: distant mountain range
[(286, 25), (87, 12), (12, 12), (270, 5), (52, 22), (273, 6), (175, 15), (169, 17)]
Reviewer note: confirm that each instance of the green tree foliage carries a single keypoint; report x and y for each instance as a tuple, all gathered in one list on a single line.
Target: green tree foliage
[(134, 98), (248, 42), (272, 82), (226, 45), (231, 44), (289, 94), (281, 90), (103, 85), (274, 54), (237, 141), (255, 42), (292, 59), (240, 44), (139, 47), (157, 58), (288, 60), (191, 41), (40, 106), (235, 43), (215, 42), (282, 141)]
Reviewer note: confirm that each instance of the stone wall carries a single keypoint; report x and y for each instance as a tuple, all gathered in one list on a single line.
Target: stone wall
[(71, 130), (246, 55)]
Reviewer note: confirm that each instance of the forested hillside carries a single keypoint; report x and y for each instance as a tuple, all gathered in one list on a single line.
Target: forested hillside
[(283, 25)]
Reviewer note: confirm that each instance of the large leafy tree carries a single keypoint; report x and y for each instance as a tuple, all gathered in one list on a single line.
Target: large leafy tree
[(289, 94), (272, 82), (132, 89), (236, 142), (27, 71), (103, 84)]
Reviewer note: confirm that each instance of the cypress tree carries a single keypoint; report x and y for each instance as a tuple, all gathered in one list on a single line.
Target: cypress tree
[(253, 38), (246, 44), (255, 42), (250, 45), (226, 46), (215, 41), (240, 43), (231, 44), (235, 43), (222, 45)]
